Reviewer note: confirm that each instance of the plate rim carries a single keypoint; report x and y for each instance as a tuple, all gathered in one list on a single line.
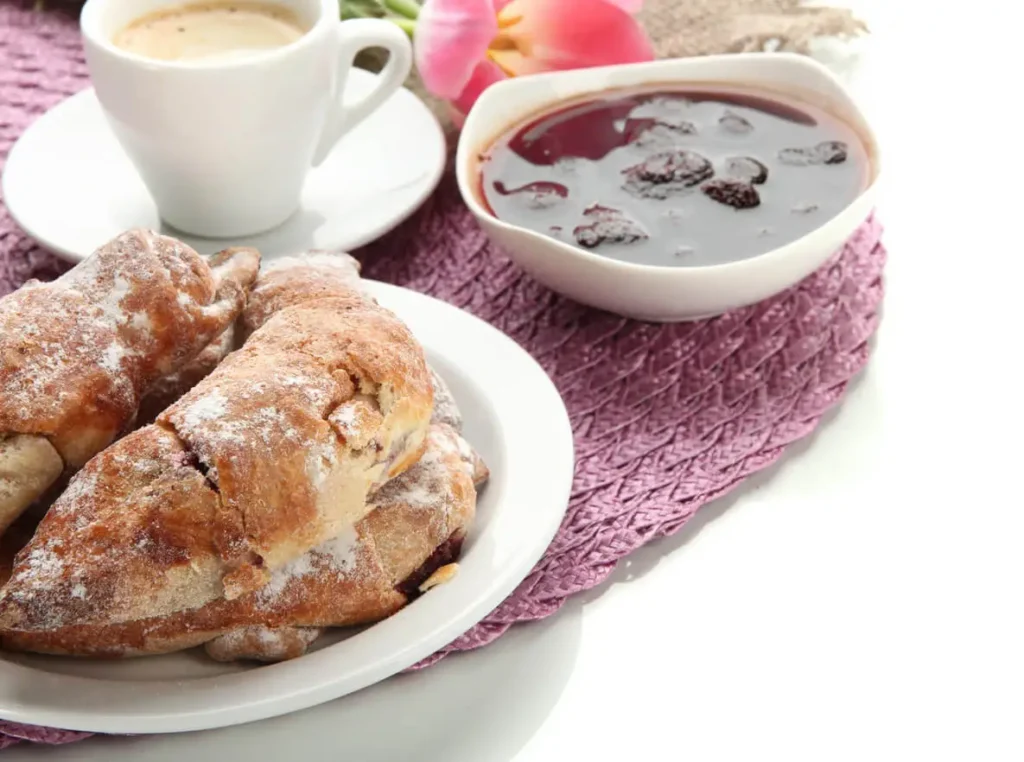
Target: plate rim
[(559, 462), (431, 180)]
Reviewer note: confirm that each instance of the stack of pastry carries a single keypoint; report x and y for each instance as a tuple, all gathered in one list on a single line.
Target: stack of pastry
[(312, 473)]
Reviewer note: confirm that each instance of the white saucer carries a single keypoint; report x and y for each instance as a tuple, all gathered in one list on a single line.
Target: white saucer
[(514, 417), (69, 186)]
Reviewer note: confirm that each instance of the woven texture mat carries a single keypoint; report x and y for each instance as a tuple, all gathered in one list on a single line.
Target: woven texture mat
[(665, 418)]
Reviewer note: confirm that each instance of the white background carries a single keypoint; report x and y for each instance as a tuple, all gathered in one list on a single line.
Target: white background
[(860, 601)]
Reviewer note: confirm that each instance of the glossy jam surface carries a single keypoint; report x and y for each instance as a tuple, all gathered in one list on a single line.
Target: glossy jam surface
[(676, 178)]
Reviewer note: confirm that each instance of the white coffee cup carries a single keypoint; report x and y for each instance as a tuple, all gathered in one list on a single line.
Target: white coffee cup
[(224, 147)]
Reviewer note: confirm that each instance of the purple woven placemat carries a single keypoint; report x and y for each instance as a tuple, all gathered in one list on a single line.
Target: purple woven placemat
[(665, 418)]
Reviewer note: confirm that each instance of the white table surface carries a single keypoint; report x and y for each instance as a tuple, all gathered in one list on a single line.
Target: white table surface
[(860, 601)]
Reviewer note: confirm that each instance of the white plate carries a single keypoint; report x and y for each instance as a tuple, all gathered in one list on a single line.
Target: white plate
[(69, 186), (513, 416)]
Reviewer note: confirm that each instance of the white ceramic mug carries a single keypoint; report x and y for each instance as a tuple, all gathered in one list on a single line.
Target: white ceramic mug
[(224, 147)]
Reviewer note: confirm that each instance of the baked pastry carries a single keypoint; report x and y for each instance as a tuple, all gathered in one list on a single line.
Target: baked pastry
[(445, 409), (32, 474), (285, 282), (260, 642), (29, 465), (315, 275), (172, 387), (78, 353), (406, 544), (415, 527), (269, 456), (288, 281), (13, 540)]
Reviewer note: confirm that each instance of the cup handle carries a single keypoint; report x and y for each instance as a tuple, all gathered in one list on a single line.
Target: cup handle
[(356, 35)]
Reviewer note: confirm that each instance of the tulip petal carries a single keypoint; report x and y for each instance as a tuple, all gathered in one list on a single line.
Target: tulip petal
[(546, 35), (450, 40), (484, 75), (629, 6)]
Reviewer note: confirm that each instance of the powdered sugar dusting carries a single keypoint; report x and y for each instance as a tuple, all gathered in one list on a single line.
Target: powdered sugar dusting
[(283, 576), (111, 305), (445, 409), (427, 485), (141, 321), (245, 416), (269, 421), (344, 419), (467, 455), (295, 279), (91, 334), (44, 564), (57, 350), (322, 458), (315, 390), (204, 423), (79, 491), (317, 259), (337, 556), (267, 643), (37, 573), (340, 553), (113, 357), (209, 407)]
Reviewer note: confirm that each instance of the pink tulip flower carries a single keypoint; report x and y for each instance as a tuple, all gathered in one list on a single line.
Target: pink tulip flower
[(463, 46)]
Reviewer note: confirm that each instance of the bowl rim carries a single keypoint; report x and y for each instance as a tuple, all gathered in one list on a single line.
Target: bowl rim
[(668, 71)]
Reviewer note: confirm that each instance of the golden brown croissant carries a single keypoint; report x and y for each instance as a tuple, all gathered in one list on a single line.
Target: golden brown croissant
[(272, 454), (78, 354)]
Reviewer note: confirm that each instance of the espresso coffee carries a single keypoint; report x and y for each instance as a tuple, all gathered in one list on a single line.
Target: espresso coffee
[(210, 31)]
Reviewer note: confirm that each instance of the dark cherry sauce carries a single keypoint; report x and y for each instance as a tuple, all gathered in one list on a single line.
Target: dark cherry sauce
[(676, 177)]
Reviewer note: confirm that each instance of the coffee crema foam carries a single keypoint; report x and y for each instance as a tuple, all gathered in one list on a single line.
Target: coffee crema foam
[(210, 31)]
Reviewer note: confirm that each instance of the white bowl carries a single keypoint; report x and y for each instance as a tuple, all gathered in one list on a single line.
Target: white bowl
[(662, 294)]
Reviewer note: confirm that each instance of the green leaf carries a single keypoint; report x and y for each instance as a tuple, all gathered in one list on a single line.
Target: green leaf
[(409, 9), (362, 9)]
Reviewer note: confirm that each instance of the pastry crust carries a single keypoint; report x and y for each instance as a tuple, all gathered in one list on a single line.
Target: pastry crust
[(368, 572), (13, 540), (77, 354), (445, 409), (270, 455), (169, 389), (293, 280), (259, 643), (29, 464)]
